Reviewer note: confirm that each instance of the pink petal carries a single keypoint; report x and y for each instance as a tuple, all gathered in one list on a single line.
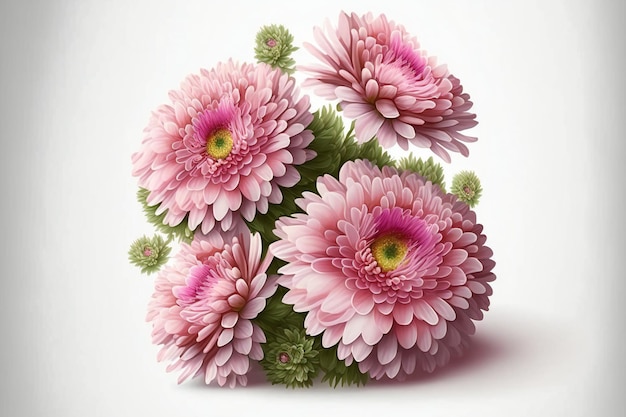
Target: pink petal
[(230, 319), (367, 126), (243, 346), (442, 308), (225, 337), (332, 335), (356, 110), (250, 189), (387, 108), (363, 302), (406, 335), (311, 244), (210, 373), (243, 329), (424, 338), (360, 350), (387, 349), (337, 301), (456, 257), (220, 207), (403, 314), (239, 364), (223, 355), (403, 129), (424, 311)]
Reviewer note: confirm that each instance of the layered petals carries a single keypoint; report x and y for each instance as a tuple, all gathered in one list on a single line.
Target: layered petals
[(221, 150), (203, 306), (388, 267), (389, 85)]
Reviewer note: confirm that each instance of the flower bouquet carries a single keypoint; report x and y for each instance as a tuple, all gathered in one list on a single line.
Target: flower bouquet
[(304, 247)]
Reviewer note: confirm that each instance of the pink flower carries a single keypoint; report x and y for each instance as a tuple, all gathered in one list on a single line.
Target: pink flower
[(219, 153), (389, 86), (203, 306), (387, 267)]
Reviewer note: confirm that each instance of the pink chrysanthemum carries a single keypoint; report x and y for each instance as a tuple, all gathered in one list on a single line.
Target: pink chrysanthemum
[(392, 88), (388, 267), (219, 153), (203, 306)]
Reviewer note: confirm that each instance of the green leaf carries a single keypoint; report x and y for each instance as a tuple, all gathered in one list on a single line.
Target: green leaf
[(429, 169), (181, 231)]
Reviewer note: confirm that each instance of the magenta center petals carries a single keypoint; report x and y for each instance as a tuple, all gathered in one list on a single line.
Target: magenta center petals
[(406, 58), (209, 121), (402, 221), (201, 166), (405, 280), (201, 279)]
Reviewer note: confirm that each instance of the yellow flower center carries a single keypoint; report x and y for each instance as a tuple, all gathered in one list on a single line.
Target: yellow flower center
[(219, 144), (389, 251)]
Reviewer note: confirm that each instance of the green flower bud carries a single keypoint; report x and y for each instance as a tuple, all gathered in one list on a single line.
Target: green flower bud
[(466, 186), (291, 358), (274, 47), (149, 254)]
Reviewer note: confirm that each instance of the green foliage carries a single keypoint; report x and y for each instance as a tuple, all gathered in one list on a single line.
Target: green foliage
[(274, 46), (429, 169), (333, 147), (337, 373), (370, 150), (278, 315), (466, 186), (149, 254), (181, 231)]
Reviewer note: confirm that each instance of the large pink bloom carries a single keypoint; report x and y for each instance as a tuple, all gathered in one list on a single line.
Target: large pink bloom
[(390, 86), (222, 149), (388, 267), (202, 308)]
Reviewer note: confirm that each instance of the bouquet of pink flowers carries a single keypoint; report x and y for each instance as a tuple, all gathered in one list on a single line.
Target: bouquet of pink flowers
[(304, 247)]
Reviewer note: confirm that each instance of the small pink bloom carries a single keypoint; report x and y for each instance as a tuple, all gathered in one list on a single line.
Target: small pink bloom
[(390, 86), (203, 306), (388, 267)]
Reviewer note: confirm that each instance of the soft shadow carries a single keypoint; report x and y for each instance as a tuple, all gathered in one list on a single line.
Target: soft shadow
[(504, 343), (483, 350)]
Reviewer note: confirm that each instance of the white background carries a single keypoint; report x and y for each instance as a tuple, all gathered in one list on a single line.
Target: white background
[(79, 79)]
